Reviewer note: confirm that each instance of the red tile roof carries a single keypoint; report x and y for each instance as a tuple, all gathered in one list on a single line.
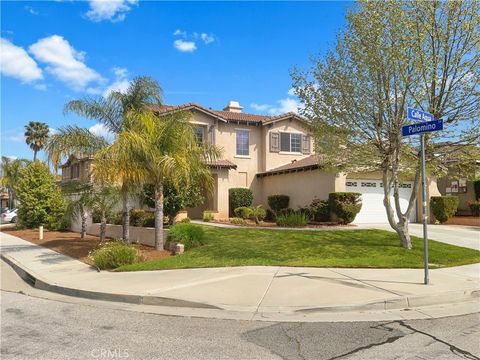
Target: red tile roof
[(222, 164), (226, 115), (308, 163)]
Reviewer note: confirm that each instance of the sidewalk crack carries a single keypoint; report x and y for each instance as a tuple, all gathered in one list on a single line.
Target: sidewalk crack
[(265, 293)]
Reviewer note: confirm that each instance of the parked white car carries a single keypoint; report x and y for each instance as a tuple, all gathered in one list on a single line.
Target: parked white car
[(9, 216)]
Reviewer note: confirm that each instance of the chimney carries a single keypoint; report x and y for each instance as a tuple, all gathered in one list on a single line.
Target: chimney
[(233, 106)]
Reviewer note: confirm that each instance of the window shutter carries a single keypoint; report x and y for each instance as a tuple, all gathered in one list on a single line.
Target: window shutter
[(274, 142), (305, 144)]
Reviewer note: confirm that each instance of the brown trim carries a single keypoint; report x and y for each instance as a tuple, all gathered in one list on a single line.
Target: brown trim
[(288, 171)]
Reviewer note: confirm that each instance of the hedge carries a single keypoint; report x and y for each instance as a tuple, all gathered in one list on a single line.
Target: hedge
[(239, 197), (345, 205), (443, 207), (189, 235), (278, 202)]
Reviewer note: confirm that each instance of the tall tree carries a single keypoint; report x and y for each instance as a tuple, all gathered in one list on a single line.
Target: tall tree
[(11, 169), (422, 54), (36, 136), (111, 111), (81, 202), (165, 149)]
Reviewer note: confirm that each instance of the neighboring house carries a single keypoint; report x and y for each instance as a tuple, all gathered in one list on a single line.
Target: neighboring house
[(76, 169), (270, 155)]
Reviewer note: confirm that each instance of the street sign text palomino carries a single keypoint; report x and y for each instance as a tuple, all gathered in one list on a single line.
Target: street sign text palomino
[(419, 128)]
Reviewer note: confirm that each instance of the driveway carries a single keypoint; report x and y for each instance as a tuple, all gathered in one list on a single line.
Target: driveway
[(465, 236)]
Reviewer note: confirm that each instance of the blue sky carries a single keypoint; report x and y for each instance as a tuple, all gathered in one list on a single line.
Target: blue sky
[(205, 52)]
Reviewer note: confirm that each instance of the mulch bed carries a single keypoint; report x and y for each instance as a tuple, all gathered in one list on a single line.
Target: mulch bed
[(70, 244)]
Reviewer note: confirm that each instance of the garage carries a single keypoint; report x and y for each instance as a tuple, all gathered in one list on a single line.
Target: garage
[(373, 210)]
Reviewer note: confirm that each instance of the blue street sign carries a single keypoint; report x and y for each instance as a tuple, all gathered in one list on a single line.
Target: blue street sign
[(419, 128), (419, 115)]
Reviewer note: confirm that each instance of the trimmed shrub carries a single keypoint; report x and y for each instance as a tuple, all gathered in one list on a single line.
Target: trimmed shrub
[(306, 211), (190, 235), (474, 207), (243, 212), (443, 207), (258, 213), (150, 221), (114, 254), (237, 221), (320, 210), (278, 202), (345, 205), (185, 220), (208, 216), (140, 217), (239, 197), (295, 219)]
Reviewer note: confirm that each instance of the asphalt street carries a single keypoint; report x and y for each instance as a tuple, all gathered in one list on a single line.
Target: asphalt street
[(43, 329)]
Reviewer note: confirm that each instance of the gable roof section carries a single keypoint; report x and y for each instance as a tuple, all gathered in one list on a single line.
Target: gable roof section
[(228, 116), (308, 163)]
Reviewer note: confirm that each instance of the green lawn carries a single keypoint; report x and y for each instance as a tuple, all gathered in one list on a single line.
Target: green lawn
[(340, 248)]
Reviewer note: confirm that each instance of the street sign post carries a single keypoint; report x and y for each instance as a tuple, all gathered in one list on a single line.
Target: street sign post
[(429, 124)]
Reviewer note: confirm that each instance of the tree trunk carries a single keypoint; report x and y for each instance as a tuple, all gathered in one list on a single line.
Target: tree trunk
[(34, 154), (159, 217), (403, 234), (103, 227), (83, 231), (126, 221)]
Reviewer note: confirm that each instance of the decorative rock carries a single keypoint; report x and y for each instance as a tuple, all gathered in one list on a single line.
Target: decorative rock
[(179, 249)]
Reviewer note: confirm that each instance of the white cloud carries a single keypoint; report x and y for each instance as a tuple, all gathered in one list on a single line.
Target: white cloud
[(207, 39), (20, 137), (179, 32), (52, 131), (288, 104), (291, 92), (101, 130), (64, 62), (112, 10), (184, 46), (31, 10), (121, 82), (15, 62)]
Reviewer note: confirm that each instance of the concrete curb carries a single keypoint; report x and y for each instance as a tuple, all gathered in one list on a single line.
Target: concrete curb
[(402, 303), (37, 282)]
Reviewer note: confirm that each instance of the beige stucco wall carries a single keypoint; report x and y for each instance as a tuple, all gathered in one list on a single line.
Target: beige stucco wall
[(302, 187), (140, 235), (463, 198)]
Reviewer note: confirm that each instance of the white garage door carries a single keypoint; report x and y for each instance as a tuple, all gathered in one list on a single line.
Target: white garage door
[(373, 210)]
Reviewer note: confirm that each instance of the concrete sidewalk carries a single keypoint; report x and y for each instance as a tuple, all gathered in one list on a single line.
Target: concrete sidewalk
[(253, 292)]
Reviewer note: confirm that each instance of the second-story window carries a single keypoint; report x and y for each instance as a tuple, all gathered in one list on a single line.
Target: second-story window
[(199, 134), (243, 142), (290, 142), (75, 171)]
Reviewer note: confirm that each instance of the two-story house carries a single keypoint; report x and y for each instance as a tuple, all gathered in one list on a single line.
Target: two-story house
[(270, 155)]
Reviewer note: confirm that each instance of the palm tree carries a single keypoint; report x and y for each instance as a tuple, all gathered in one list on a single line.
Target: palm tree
[(162, 150), (111, 112), (82, 203), (36, 136), (103, 200), (10, 169)]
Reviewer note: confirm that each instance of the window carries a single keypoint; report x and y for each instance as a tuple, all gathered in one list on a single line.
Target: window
[(290, 142), (75, 171), (199, 133), (243, 142)]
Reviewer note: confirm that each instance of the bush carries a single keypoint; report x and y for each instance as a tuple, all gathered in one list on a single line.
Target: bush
[(278, 202), (346, 205), (243, 212), (208, 216), (258, 213), (270, 216), (237, 221), (40, 200), (320, 210), (114, 254), (140, 217), (185, 220), (189, 235), (286, 211), (443, 207), (294, 219), (239, 197), (474, 207)]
